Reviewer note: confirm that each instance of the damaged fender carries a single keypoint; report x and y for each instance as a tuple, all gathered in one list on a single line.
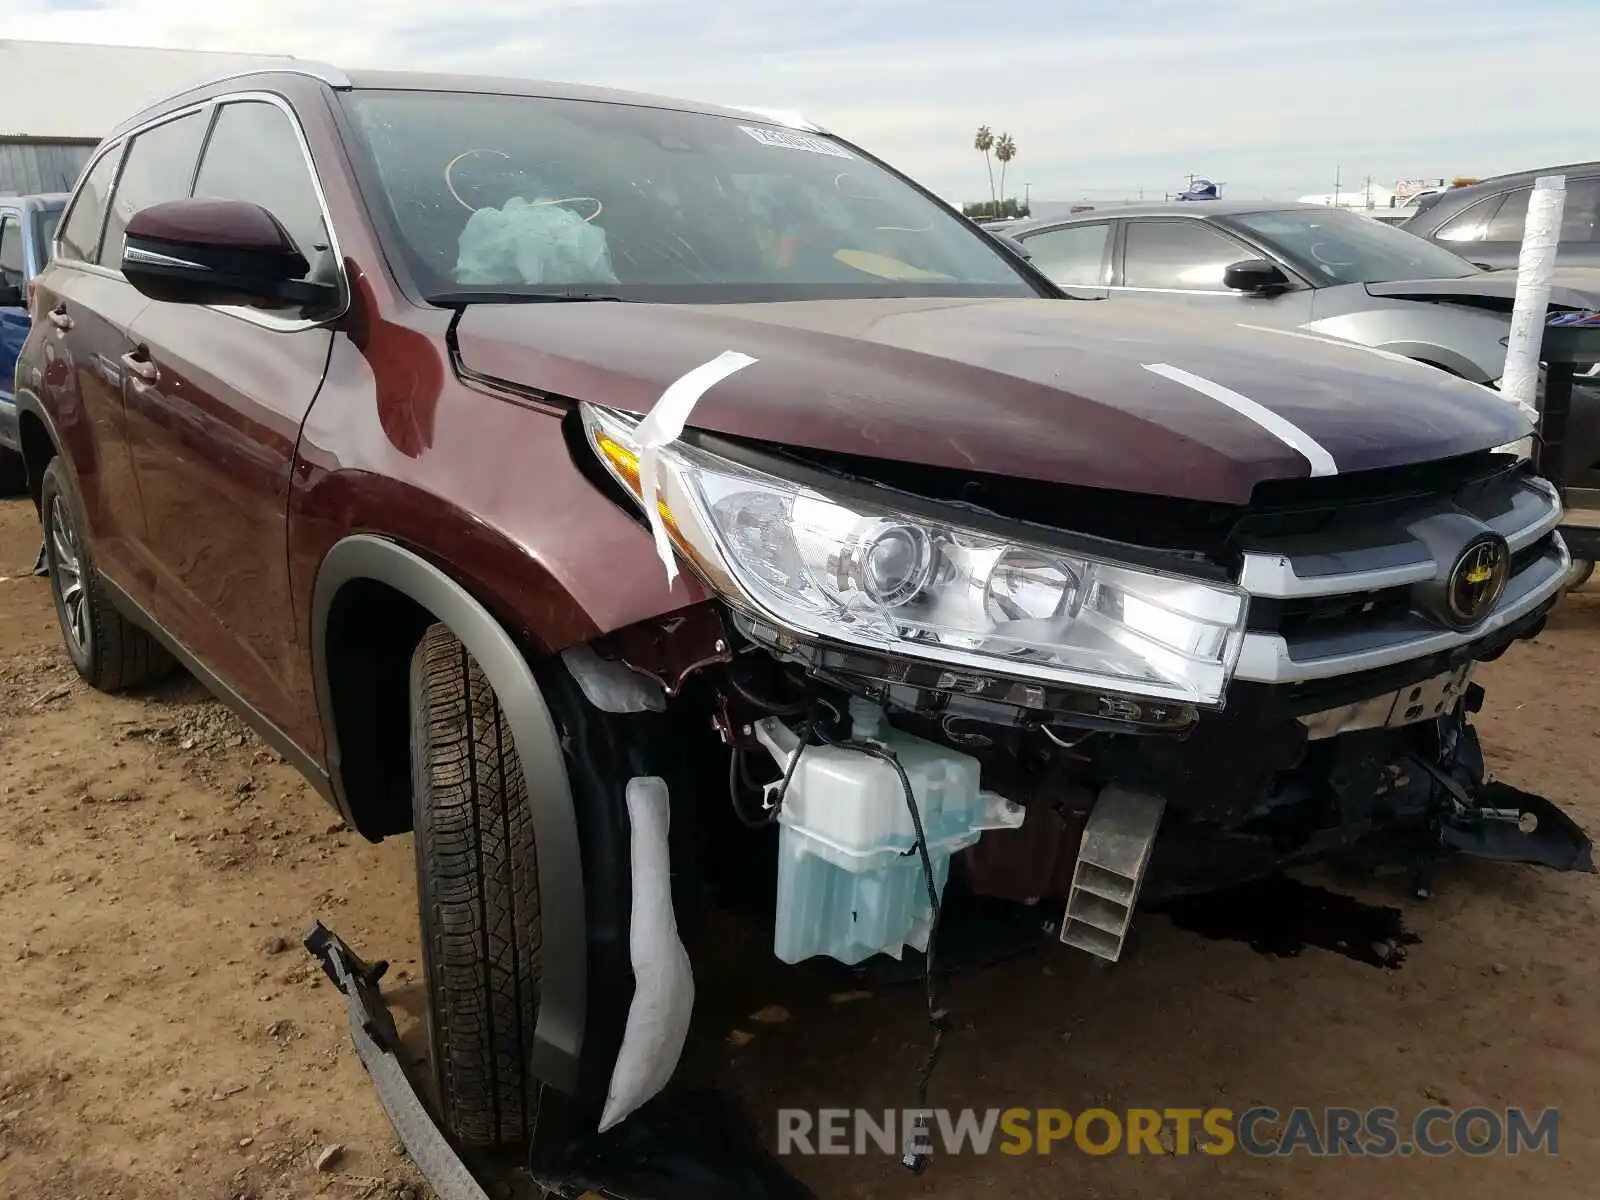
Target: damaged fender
[(559, 1033)]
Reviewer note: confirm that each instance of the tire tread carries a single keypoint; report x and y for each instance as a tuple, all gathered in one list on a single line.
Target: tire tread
[(479, 897)]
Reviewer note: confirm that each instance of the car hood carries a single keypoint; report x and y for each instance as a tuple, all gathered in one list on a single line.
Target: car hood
[(1059, 391), (1571, 287)]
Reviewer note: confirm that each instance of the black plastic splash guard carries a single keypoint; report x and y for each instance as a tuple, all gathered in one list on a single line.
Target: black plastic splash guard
[(1555, 839)]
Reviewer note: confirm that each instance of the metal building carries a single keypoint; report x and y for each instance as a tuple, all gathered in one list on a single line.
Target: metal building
[(58, 99)]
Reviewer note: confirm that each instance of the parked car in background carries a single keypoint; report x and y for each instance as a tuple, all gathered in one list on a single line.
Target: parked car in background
[(364, 439), (27, 227), (1484, 221), (1311, 269)]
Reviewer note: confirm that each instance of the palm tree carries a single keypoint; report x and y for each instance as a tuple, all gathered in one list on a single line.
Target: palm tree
[(1005, 150), (984, 141)]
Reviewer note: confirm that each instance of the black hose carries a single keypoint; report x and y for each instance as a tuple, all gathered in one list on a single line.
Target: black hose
[(776, 708), (736, 773)]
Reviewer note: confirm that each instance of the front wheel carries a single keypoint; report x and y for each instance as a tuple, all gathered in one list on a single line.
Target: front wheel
[(1578, 573), (479, 897)]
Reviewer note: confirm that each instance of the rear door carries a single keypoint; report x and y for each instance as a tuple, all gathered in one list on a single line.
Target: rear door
[(85, 308), (216, 397)]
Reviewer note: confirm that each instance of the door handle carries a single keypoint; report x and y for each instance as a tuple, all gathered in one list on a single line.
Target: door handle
[(141, 366), (60, 318)]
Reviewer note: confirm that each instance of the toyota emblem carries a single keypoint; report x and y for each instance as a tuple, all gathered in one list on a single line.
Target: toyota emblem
[(1477, 581)]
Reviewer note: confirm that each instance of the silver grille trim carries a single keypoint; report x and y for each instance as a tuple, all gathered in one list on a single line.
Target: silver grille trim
[(1270, 658), (1389, 556)]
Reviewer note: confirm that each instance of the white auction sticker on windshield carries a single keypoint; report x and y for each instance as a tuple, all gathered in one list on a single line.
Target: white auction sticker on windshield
[(786, 139)]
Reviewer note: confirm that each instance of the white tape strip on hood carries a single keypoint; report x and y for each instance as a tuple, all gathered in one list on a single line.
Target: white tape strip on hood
[(662, 425), (1285, 431)]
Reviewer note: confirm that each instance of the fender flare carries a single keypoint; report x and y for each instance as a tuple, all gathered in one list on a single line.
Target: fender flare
[(560, 1028), (1431, 354)]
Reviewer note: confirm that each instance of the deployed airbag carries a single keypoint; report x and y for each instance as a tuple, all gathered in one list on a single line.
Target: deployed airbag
[(532, 242)]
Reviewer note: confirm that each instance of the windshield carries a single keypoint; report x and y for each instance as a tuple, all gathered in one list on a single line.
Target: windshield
[(1338, 247), (499, 194)]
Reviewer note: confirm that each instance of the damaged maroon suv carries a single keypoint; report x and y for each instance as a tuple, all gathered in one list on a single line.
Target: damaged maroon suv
[(628, 498)]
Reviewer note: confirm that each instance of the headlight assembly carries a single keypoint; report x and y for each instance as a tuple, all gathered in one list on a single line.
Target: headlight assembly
[(861, 573)]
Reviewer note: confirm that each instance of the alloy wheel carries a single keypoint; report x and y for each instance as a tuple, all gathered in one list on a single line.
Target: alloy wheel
[(66, 555)]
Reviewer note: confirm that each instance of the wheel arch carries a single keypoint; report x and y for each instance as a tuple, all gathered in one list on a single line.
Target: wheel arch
[(1442, 358), (413, 590), (37, 439)]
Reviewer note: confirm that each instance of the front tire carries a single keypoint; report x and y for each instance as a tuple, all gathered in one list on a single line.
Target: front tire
[(110, 652), (479, 897)]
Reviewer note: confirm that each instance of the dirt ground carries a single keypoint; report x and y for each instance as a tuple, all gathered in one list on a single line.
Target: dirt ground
[(163, 1035)]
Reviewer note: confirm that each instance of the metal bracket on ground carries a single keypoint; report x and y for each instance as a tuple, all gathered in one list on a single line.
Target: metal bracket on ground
[(377, 1044)]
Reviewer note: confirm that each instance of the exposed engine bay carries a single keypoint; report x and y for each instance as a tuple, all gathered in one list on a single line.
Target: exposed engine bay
[(1088, 819), (928, 668)]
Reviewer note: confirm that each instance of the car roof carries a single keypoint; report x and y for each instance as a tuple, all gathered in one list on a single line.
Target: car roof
[(427, 81), (1499, 181), (1186, 208), (1451, 200)]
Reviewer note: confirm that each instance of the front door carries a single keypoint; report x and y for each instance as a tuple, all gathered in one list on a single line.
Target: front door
[(215, 400)]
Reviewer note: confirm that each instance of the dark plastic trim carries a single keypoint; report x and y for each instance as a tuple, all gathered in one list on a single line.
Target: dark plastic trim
[(559, 1033)]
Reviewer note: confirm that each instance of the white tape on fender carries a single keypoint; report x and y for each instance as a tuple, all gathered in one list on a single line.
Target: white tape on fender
[(662, 425)]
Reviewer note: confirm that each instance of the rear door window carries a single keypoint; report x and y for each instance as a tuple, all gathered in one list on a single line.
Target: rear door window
[(1508, 223), (1179, 254), (80, 233), (1471, 224), (1075, 255), (159, 166)]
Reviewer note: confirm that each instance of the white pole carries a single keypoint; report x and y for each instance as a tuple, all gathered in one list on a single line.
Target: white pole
[(1536, 265)]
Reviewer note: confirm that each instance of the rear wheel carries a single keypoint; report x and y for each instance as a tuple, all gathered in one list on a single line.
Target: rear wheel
[(479, 898), (13, 473), (108, 650)]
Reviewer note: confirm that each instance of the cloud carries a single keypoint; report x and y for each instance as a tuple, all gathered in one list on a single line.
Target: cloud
[(1271, 96)]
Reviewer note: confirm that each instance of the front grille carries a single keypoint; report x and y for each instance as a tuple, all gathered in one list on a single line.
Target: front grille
[(1309, 616), (1332, 591)]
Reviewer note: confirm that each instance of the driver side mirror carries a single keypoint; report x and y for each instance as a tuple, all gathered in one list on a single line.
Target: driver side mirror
[(227, 252), (1256, 276)]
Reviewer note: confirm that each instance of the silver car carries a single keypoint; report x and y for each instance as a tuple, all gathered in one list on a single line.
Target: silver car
[(1298, 266)]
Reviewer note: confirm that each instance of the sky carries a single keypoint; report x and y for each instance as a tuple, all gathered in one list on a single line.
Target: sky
[(1102, 97)]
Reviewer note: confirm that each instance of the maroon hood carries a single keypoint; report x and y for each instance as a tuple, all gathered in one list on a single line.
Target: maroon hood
[(1052, 390)]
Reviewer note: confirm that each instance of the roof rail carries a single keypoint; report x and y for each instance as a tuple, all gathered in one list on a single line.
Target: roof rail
[(326, 73)]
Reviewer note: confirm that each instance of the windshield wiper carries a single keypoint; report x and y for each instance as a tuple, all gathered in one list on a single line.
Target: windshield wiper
[(450, 299)]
